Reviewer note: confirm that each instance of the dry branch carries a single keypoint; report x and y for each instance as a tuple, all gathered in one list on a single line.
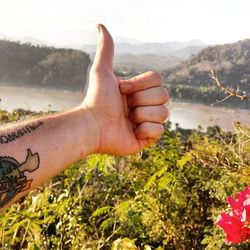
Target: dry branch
[(229, 91)]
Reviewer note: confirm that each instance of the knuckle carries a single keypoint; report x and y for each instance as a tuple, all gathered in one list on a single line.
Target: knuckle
[(135, 100), (138, 115), (161, 130), (164, 114), (157, 77), (164, 95), (144, 128), (158, 132)]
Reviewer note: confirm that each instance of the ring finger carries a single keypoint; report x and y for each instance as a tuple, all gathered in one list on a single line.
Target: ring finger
[(157, 114)]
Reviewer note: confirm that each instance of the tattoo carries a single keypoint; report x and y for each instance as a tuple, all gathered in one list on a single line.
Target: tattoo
[(12, 178), (4, 139)]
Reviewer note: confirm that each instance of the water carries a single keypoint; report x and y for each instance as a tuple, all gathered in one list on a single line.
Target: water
[(37, 99), (192, 115), (186, 114)]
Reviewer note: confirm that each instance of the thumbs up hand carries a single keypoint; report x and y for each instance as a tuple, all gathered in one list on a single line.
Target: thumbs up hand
[(128, 114)]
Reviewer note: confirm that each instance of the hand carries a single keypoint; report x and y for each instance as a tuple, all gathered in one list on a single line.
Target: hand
[(128, 113)]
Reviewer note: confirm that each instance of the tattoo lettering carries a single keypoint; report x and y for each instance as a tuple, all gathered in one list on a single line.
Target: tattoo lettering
[(4, 139), (12, 178)]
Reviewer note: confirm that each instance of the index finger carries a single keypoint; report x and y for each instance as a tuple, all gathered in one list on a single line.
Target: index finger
[(144, 81)]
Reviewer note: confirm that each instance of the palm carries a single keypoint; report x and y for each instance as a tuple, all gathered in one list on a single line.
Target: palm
[(111, 109)]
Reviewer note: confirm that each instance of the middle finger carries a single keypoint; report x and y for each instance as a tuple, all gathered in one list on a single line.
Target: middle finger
[(148, 97)]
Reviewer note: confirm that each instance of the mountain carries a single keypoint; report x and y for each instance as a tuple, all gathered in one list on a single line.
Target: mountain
[(138, 57), (64, 38), (144, 62), (186, 52), (230, 61), (180, 49), (44, 67), (87, 40), (22, 39)]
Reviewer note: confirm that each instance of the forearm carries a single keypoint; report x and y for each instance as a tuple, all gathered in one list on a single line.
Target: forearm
[(34, 151), (122, 117)]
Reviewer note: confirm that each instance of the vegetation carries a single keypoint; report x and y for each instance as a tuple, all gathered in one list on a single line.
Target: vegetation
[(230, 61), (209, 95), (43, 67), (168, 197)]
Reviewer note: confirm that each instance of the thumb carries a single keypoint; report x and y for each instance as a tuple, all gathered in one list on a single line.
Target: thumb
[(105, 49)]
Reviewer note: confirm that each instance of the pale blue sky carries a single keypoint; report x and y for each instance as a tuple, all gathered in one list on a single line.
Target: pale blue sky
[(212, 21)]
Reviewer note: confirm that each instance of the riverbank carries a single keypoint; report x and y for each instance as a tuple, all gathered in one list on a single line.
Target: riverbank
[(187, 115)]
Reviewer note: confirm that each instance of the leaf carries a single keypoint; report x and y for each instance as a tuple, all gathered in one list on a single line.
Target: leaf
[(164, 181), (153, 178), (185, 159), (205, 241), (123, 208), (107, 224), (101, 211), (124, 244)]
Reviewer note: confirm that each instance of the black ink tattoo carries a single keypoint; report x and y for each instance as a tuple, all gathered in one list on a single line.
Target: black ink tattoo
[(12, 178), (4, 139)]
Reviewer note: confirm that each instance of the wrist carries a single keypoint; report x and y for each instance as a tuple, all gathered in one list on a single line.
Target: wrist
[(89, 130)]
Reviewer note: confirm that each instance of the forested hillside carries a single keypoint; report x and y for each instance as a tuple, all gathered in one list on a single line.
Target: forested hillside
[(191, 79), (36, 66)]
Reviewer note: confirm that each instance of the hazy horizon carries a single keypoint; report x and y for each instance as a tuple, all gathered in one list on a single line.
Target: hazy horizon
[(82, 38), (211, 21)]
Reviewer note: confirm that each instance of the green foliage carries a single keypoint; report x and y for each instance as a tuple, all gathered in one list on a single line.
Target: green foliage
[(203, 94), (16, 115), (169, 197), (38, 66)]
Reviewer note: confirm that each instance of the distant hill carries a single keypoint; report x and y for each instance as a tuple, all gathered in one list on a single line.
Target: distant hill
[(138, 57), (230, 61), (73, 39), (159, 49), (140, 63), (86, 41), (45, 67), (186, 52)]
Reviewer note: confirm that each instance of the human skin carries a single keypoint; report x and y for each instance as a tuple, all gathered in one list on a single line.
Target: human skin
[(117, 117)]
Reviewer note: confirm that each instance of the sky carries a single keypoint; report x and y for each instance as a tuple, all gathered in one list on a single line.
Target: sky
[(211, 21)]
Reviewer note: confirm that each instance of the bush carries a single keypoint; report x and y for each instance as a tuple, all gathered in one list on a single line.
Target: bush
[(168, 197)]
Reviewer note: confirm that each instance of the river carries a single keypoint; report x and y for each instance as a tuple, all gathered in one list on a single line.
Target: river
[(186, 114)]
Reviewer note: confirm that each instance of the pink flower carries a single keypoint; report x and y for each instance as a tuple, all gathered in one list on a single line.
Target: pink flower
[(236, 223)]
